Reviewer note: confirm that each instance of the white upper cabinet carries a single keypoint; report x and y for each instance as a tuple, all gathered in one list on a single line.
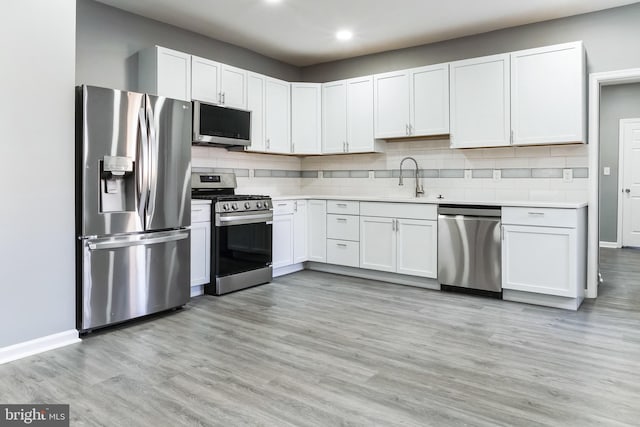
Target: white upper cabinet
[(360, 115), (412, 102), (429, 108), (391, 100), (269, 100), (218, 83), (255, 104), (480, 97), (548, 95), (347, 116), (165, 72), (277, 116), (306, 106), (205, 80), (334, 117)]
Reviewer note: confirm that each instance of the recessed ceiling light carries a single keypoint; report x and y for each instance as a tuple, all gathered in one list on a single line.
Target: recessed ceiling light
[(273, 1), (344, 35)]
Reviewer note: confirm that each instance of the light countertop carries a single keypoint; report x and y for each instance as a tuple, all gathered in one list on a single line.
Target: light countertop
[(430, 200)]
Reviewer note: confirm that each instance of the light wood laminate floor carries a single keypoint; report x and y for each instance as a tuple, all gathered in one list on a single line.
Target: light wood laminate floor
[(316, 349)]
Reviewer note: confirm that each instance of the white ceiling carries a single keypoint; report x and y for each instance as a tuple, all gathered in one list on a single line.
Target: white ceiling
[(302, 32)]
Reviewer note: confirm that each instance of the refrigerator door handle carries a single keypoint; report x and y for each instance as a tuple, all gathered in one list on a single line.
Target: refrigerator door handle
[(143, 178), (114, 244), (152, 150)]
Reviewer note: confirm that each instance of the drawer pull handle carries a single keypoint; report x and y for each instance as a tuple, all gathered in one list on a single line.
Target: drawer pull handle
[(282, 204), (197, 210), (342, 205), (341, 219), (536, 213), (343, 245)]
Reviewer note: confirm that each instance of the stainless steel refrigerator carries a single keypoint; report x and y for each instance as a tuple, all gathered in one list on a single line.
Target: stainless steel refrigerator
[(133, 187)]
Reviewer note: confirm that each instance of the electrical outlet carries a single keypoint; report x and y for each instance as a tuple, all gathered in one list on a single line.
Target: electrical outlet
[(606, 171), (251, 173), (497, 174), (468, 174), (371, 175), (567, 175), (320, 175)]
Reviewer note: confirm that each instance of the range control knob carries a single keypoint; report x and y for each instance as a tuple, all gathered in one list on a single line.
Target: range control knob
[(225, 207), (259, 205), (247, 205), (266, 204), (234, 206)]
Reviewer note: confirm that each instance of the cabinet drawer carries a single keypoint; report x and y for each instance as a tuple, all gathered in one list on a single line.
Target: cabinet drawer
[(282, 207), (343, 227), (545, 217), (200, 213), (343, 252), (400, 210), (343, 207)]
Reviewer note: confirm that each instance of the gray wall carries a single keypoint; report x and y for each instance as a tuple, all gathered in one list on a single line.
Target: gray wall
[(108, 38), (610, 37), (616, 102), (37, 276)]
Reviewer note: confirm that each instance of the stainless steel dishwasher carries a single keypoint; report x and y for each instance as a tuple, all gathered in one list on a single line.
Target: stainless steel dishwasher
[(470, 249)]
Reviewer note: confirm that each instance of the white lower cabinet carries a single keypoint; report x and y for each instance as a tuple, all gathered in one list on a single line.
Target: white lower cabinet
[(399, 245), (317, 230), (200, 244), (289, 233), (417, 247), (544, 252), (300, 247), (282, 240)]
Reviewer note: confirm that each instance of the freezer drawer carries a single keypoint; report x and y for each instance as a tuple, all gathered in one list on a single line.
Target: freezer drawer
[(125, 277)]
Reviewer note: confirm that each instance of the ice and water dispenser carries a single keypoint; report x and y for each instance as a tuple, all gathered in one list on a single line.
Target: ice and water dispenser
[(117, 184)]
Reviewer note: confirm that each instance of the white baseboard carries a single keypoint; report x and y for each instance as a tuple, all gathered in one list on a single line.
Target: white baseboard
[(293, 268), (611, 245), (38, 345)]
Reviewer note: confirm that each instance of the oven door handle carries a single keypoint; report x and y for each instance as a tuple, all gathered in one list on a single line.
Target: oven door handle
[(222, 221)]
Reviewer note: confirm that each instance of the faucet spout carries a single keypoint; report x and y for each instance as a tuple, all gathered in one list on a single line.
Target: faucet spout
[(419, 189)]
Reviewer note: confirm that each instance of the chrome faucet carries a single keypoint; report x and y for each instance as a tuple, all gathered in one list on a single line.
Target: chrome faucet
[(419, 189)]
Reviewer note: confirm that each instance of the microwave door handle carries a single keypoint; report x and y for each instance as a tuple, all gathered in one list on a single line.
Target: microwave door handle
[(141, 163)]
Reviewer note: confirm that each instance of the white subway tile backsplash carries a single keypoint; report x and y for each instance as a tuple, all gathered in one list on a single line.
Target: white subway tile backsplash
[(541, 151), (547, 162)]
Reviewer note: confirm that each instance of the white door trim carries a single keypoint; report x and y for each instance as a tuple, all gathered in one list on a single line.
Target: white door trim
[(596, 81), (621, 176), (38, 345)]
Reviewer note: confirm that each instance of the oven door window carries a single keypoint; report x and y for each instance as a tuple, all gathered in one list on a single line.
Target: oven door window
[(241, 248)]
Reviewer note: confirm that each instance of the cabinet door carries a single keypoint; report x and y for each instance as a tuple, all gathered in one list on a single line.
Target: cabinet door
[(429, 108), (200, 253), (317, 230), (548, 93), (255, 104), (417, 247), (480, 114), (391, 104), (306, 107), (360, 115), (174, 74), (282, 240), (540, 259), (300, 232), (205, 75), (233, 85), (334, 117), (377, 243), (276, 113)]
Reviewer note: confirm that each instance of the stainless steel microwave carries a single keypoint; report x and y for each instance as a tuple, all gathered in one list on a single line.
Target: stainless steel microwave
[(220, 126)]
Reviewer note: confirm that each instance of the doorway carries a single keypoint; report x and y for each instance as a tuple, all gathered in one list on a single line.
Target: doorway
[(612, 96)]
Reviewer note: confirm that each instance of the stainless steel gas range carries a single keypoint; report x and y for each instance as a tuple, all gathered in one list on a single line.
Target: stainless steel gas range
[(241, 237)]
